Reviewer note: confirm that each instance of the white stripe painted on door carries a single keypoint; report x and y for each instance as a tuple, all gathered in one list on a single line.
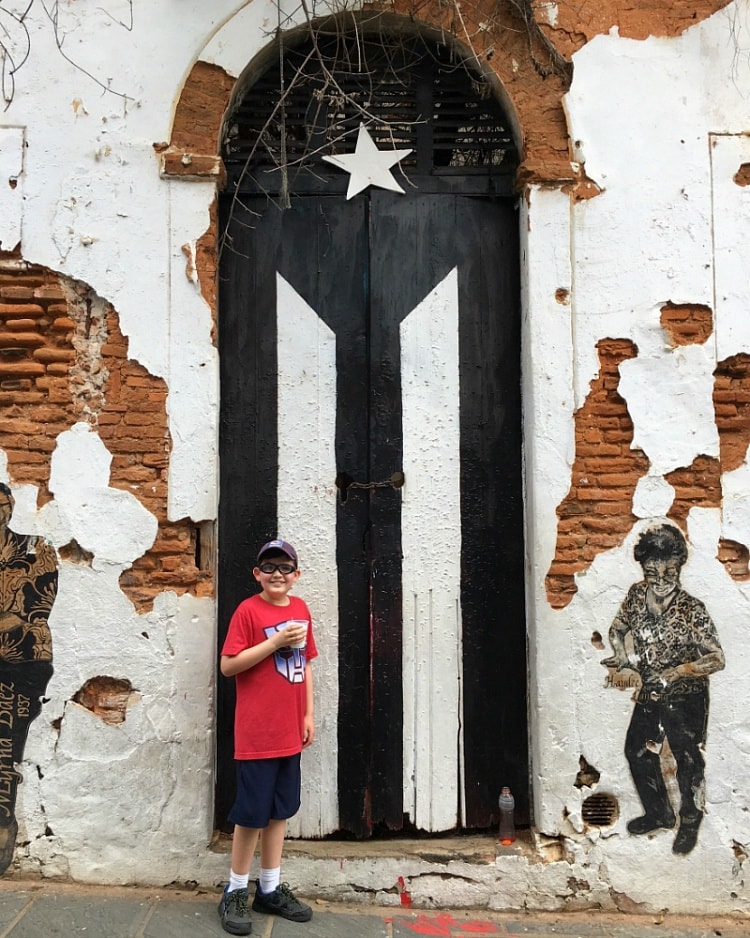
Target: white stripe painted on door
[(307, 519), (431, 540)]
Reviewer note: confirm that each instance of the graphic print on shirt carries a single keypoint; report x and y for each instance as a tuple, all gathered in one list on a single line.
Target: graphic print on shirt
[(290, 662)]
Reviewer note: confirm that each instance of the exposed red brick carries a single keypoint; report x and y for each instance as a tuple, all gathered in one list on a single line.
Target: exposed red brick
[(21, 309), (191, 165), (602, 482), (26, 367), (82, 372), (106, 697), (696, 486), (20, 325), (736, 559), (207, 264), (578, 23), (200, 109), (48, 355), (13, 339), (732, 410), (596, 514), (687, 323)]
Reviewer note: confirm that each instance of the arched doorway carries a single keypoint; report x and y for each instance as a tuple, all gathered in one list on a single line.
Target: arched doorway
[(370, 383)]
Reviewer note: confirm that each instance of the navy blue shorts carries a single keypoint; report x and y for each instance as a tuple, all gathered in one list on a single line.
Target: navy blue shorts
[(267, 789)]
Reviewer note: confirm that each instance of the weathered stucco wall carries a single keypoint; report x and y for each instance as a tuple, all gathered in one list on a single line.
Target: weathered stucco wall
[(646, 438), (635, 377)]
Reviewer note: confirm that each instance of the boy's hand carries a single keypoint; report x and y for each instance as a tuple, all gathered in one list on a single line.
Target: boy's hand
[(308, 732), (291, 635)]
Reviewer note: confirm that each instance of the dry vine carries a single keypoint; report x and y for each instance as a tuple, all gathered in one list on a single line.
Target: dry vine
[(557, 64), (468, 31), (15, 43)]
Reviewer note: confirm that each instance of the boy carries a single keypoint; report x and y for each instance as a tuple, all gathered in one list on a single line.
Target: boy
[(268, 649)]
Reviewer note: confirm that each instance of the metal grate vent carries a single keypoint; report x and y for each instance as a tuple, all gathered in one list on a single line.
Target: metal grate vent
[(600, 810), (411, 92)]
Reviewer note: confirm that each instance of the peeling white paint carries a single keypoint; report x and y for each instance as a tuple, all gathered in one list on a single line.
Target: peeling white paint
[(736, 504), (192, 369), (112, 821), (11, 186), (731, 231), (94, 789), (647, 238), (661, 125), (653, 497), (79, 479), (548, 10), (669, 398), (652, 135)]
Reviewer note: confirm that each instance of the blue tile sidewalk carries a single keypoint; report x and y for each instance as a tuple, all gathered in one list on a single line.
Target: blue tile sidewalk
[(32, 909)]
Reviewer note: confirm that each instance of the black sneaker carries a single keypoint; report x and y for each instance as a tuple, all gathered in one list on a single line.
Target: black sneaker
[(235, 915), (647, 823), (283, 902)]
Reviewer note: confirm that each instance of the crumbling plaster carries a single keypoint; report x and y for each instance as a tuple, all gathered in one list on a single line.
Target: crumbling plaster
[(95, 209), (85, 777), (665, 227), (642, 115)]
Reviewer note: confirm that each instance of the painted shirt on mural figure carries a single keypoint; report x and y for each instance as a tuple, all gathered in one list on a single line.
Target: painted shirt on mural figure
[(28, 587), (668, 637), (271, 696), (682, 633)]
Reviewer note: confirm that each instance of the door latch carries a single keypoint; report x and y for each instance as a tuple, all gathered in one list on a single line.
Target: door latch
[(344, 483)]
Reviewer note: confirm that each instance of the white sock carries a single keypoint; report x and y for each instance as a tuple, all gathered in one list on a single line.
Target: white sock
[(237, 881), (269, 879)]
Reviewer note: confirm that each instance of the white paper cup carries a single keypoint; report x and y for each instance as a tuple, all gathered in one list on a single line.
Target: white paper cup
[(304, 640)]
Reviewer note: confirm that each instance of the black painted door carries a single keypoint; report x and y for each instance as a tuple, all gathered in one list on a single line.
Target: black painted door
[(363, 265)]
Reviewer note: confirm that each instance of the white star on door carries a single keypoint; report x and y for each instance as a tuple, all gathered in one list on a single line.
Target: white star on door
[(368, 166)]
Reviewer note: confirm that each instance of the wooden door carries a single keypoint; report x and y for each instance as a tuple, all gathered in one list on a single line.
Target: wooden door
[(414, 305)]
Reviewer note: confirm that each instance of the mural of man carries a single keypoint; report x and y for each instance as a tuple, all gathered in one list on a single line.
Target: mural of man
[(667, 636), (28, 586)]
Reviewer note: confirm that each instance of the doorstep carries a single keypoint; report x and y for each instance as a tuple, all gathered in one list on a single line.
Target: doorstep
[(467, 848)]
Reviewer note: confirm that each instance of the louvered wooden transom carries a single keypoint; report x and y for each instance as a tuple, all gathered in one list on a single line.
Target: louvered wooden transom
[(410, 91)]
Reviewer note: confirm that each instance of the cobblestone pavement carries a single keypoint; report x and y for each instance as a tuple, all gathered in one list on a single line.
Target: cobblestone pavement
[(36, 909)]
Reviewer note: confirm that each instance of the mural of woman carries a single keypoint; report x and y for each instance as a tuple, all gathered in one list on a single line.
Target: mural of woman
[(667, 636), (28, 586)]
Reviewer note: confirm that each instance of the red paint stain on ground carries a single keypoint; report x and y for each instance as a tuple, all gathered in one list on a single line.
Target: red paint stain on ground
[(449, 927)]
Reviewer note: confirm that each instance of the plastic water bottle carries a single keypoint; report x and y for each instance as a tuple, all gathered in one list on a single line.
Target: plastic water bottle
[(507, 803)]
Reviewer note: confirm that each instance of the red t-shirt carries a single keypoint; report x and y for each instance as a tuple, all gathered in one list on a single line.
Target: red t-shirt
[(271, 696)]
